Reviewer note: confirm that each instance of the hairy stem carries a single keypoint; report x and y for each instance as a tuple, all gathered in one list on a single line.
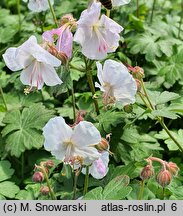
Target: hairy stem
[(169, 133), (160, 119), (108, 13), (137, 13), (141, 191), (19, 15), (52, 194), (91, 84), (73, 103), (86, 181), (53, 13), (4, 101), (181, 19), (152, 12)]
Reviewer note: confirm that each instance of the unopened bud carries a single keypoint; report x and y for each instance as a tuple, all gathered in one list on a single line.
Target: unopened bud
[(164, 178), (44, 190), (147, 172), (128, 108), (139, 72), (49, 164), (38, 177), (173, 168), (103, 145), (138, 83), (66, 18)]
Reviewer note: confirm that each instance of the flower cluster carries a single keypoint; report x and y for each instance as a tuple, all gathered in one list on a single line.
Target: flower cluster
[(164, 177), (80, 144)]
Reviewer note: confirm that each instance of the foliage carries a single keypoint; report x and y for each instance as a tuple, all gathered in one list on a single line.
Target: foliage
[(152, 39)]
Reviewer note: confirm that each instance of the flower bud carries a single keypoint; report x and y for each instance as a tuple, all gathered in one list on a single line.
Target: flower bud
[(128, 108), (103, 145), (139, 73), (49, 164), (138, 83), (66, 18), (147, 172), (44, 190), (38, 177), (173, 168), (164, 178)]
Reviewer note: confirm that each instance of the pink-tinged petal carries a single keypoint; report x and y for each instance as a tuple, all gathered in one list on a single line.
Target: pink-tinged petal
[(56, 132), (49, 35), (120, 2), (65, 41), (10, 59), (94, 47), (99, 167), (85, 134), (32, 75), (90, 16), (49, 75)]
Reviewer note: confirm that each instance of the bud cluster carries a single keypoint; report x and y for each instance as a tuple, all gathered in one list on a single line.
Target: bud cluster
[(138, 75), (165, 175)]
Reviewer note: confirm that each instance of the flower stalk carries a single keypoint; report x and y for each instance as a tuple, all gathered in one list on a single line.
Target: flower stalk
[(53, 13), (159, 119), (3, 98), (86, 181)]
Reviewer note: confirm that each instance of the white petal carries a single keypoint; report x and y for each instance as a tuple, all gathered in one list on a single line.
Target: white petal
[(100, 73), (56, 131), (110, 24), (89, 154), (120, 2), (10, 59), (112, 73), (38, 5), (85, 134), (49, 75), (90, 16)]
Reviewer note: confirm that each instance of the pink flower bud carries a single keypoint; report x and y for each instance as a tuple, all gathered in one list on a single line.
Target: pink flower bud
[(164, 178), (49, 164), (103, 145), (139, 73), (38, 177), (44, 190), (173, 168), (147, 172)]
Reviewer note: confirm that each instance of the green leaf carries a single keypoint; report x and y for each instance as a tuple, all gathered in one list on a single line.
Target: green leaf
[(145, 44), (110, 119), (165, 112), (5, 170), (170, 143), (117, 188), (25, 195), (8, 189), (95, 194), (23, 130)]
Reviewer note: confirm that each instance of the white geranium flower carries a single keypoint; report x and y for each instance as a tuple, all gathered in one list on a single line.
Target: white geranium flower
[(97, 36), (37, 64), (116, 82), (39, 5), (71, 145), (120, 2), (99, 167)]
